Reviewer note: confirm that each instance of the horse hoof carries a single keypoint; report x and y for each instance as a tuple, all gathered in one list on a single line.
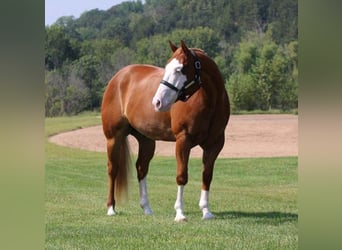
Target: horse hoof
[(208, 216), (110, 211), (180, 218), (146, 208), (148, 211)]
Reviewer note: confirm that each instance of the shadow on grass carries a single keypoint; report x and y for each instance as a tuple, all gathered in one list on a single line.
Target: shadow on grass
[(259, 217)]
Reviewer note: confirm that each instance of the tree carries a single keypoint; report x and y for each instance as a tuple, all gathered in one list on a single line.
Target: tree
[(254, 43), (77, 96), (283, 20), (58, 47), (66, 93), (54, 88), (263, 74), (87, 69), (155, 50)]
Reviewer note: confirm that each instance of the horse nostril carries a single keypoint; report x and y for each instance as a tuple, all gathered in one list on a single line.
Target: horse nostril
[(158, 104)]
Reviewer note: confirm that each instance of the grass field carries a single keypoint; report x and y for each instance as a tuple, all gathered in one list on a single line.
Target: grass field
[(254, 200)]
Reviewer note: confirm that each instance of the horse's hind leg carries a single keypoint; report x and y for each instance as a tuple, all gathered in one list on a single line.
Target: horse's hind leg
[(117, 169), (146, 152), (112, 169), (210, 153)]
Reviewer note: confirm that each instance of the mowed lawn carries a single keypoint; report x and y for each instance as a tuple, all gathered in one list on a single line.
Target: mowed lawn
[(254, 200)]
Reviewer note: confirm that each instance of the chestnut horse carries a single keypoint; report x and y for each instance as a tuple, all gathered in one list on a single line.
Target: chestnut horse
[(186, 102)]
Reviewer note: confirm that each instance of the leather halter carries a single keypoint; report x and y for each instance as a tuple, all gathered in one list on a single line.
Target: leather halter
[(181, 93)]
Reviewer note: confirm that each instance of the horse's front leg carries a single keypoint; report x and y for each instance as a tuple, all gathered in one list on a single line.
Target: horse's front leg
[(183, 148), (210, 154)]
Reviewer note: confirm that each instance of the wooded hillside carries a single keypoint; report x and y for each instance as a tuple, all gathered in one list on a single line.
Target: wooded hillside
[(254, 43)]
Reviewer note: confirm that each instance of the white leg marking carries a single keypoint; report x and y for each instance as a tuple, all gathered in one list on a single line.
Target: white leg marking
[(144, 202), (204, 205), (179, 205), (110, 211)]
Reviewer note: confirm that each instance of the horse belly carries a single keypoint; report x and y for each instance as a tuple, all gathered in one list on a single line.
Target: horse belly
[(155, 126)]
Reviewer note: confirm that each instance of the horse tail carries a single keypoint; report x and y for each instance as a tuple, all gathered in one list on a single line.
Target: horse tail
[(123, 174)]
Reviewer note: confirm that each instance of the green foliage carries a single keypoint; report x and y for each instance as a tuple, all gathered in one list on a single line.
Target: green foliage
[(58, 47), (264, 75), (66, 92), (203, 37), (90, 49)]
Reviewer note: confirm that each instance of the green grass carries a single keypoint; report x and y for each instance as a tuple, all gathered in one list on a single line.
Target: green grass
[(263, 112), (54, 125), (254, 200)]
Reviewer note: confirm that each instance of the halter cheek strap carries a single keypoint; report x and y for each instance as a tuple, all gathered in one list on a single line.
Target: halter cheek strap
[(166, 83), (181, 95)]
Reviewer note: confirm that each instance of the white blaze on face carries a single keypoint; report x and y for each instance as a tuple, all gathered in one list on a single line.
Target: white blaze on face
[(165, 96)]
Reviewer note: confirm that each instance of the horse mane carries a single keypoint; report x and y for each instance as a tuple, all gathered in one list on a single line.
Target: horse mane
[(212, 63), (199, 50), (203, 53)]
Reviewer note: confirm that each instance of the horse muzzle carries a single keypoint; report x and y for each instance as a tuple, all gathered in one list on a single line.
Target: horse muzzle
[(159, 106)]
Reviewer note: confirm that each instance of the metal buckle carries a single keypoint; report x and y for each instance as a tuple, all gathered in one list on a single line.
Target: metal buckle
[(197, 65)]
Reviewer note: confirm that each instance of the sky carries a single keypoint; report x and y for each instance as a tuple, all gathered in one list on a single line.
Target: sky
[(55, 9)]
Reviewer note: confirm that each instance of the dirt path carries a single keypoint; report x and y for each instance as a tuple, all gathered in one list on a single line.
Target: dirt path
[(246, 136)]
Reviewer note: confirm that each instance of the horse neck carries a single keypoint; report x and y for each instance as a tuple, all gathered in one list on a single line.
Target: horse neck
[(209, 68), (213, 83)]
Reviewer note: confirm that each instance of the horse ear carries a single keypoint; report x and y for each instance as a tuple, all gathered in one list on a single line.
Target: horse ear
[(172, 46), (185, 48)]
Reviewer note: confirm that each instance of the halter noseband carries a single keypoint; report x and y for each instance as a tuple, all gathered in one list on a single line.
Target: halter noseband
[(181, 95)]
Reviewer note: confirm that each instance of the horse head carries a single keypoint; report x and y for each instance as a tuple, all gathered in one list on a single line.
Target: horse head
[(181, 78)]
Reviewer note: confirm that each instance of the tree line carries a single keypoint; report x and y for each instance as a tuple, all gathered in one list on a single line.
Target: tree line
[(254, 43)]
